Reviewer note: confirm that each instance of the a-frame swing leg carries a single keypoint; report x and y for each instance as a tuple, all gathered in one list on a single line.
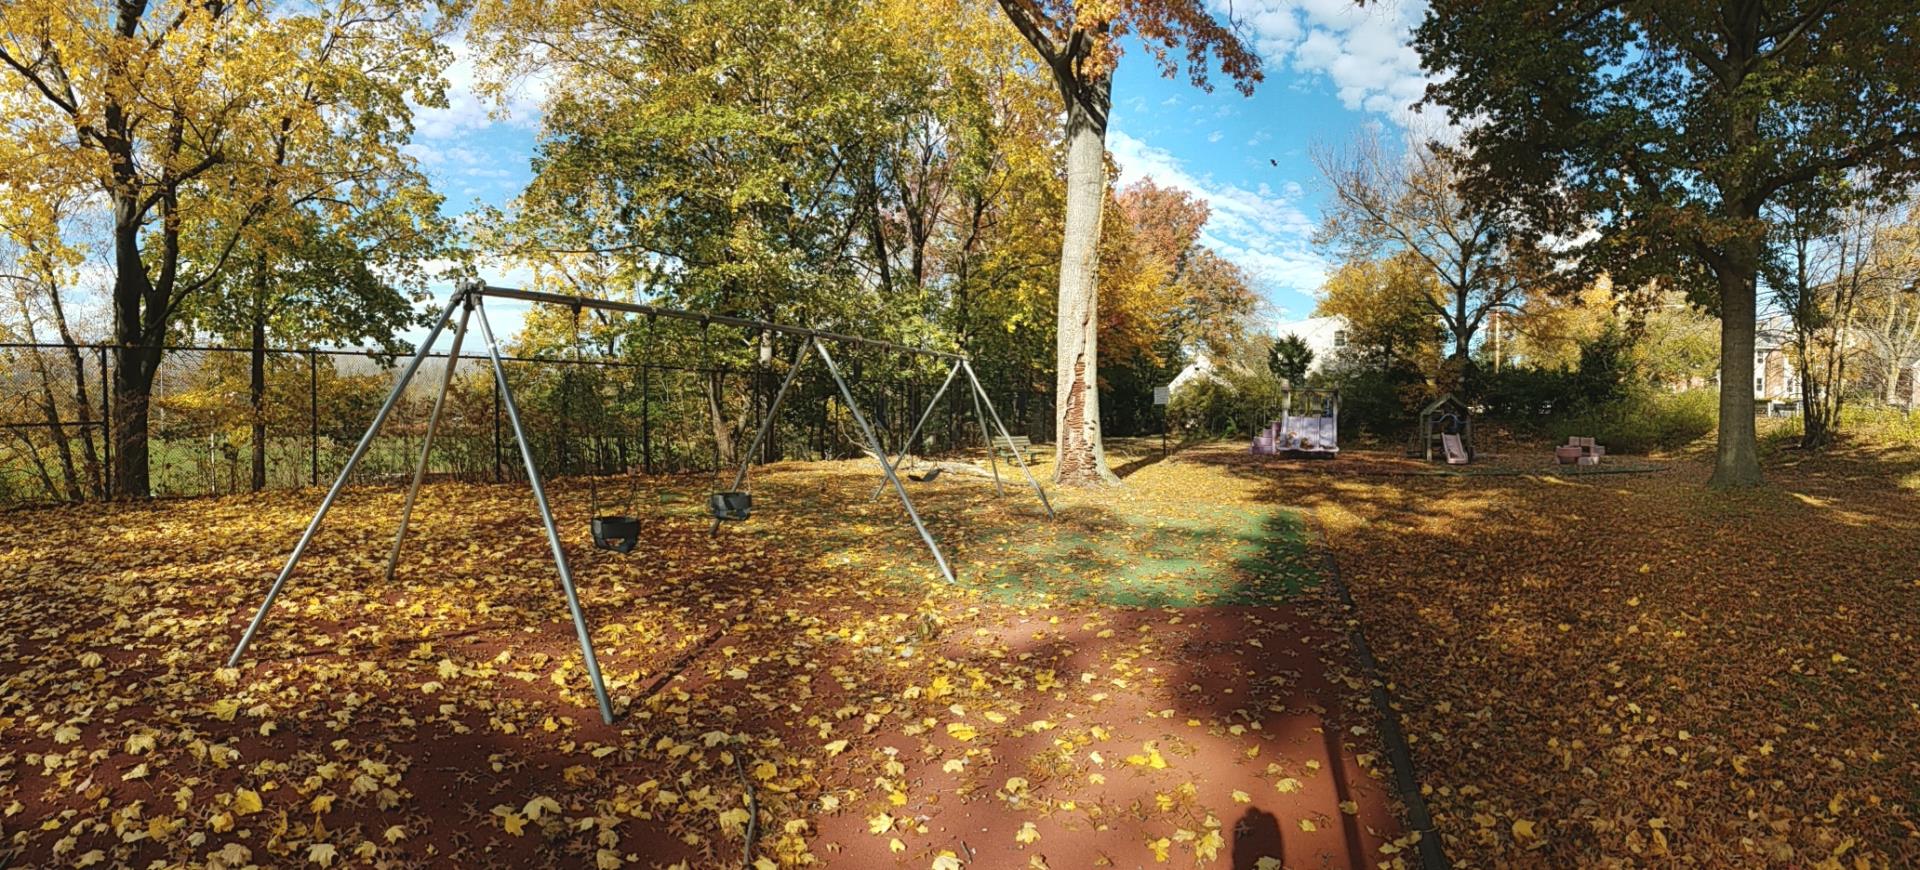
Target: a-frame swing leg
[(914, 436), (546, 517), (426, 444), (353, 461), (880, 456), (993, 455), (980, 394), (766, 425)]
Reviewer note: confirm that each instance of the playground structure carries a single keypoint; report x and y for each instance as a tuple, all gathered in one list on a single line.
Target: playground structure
[(620, 532), (1316, 433), (1446, 432)]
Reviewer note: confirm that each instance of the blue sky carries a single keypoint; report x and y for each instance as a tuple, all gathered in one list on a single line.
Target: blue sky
[(1334, 71)]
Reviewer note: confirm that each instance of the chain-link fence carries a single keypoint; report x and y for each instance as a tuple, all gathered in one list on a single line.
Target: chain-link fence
[(222, 421)]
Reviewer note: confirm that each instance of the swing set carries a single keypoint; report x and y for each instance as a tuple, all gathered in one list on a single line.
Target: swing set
[(622, 532)]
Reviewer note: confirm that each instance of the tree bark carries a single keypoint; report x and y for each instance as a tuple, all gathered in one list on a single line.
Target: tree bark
[(1081, 458), (1736, 455), (257, 390), (135, 359)]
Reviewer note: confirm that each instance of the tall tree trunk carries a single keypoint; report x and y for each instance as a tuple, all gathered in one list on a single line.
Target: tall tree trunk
[(1737, 456), (1082, 459), (83, 404), (49, 403)]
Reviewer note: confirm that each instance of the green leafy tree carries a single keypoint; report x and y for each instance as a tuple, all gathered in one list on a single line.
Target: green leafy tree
[(1650, 138), (169, 113), (1289, 358)]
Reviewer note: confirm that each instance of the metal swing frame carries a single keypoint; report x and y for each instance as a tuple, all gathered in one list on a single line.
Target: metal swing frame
[(468, 301)]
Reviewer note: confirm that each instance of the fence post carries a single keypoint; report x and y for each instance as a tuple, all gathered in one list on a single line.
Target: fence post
[(313, 417), (106, 428)]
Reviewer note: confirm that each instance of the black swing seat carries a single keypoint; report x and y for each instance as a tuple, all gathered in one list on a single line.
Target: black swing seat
[(616, 533), (730, 505), (923, 477)]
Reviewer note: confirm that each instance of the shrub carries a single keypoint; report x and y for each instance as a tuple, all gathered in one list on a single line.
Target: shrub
[(1204, 408), (1644, 421)]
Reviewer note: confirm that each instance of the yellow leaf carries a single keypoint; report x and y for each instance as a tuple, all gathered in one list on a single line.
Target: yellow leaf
[(1351, 808), (1028, 833), (880, 824), (67, 733), (946, 860), (894, 845), (395, 834), (1160, 848), (1209, 846), (321, 804), (1241, 797), (321, 854), (246, 802), (1523, 830), (836, 747), (1288, 785), (1308, 826), (961, 731)]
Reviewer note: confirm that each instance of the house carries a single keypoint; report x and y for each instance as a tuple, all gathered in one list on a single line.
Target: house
[(1200, 368), (1325, 336), (1775, 381)]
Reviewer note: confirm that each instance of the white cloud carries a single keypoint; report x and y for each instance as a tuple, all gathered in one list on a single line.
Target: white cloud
[(467, 110), (1263, 231), (1364, 52)]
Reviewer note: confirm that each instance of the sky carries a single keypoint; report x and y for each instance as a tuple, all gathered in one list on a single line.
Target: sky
[(1334, 71)]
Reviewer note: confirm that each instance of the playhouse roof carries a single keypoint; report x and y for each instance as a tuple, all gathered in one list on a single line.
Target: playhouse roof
[(1447, 399)]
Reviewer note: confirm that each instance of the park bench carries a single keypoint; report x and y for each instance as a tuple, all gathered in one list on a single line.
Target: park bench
[(1016, 446)]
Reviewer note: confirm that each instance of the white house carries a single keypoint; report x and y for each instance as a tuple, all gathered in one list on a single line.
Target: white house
[(1325, 336), (1201, 367)]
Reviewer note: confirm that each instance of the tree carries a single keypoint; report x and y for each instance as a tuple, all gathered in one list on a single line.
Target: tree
[(1384, 206), (1889, 320), (1079, 44), (1647, 139), (167, 111), (1822, 264), (1387, 307), (1290, 358)]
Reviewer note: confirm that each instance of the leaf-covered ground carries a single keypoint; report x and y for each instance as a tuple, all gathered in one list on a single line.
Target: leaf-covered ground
[(1153, 678), (1629, 670)]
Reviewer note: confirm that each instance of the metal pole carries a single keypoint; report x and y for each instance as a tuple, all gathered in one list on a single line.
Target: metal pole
[(993, 456), (740, 475), (426, 443), (496, 432), (911, 438), (326, 504), (546, 517), (313, 418), (880, 456), (981, 394)]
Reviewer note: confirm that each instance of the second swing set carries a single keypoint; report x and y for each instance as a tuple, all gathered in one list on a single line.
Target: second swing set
[(623, 532)]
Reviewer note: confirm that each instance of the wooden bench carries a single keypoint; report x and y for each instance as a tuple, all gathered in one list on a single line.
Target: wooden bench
[(1016, 446)]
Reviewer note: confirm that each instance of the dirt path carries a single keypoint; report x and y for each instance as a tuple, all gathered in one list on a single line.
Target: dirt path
[(1631, 670)]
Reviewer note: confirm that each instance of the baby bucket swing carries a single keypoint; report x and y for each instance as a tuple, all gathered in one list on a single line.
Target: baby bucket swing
[(617, 532)]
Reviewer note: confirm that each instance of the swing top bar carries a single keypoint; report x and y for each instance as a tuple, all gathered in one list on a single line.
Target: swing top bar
[(488, 290)]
